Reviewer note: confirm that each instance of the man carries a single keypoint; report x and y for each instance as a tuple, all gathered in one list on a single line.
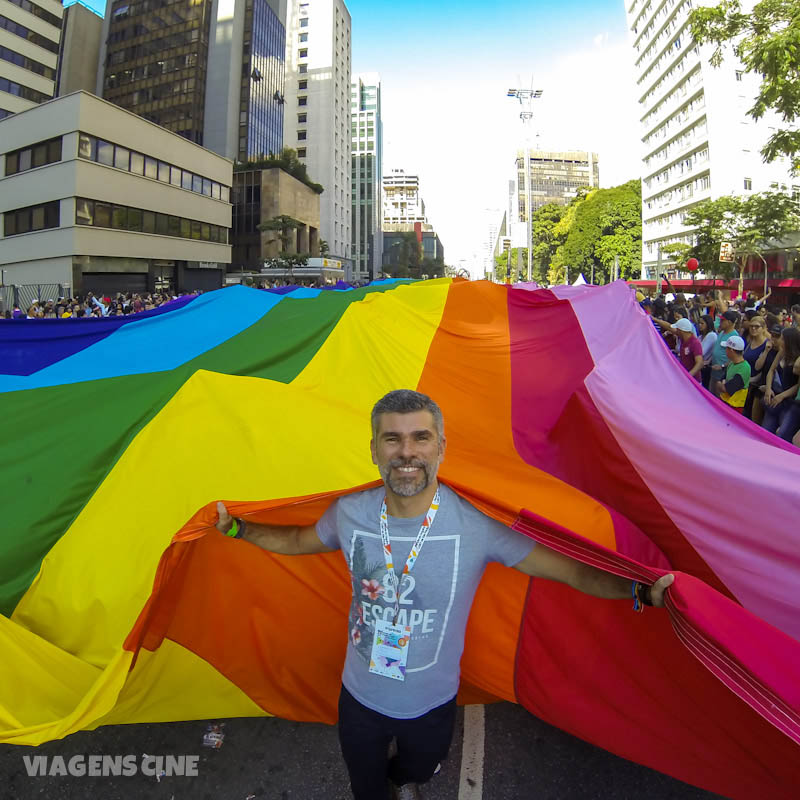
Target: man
[(795, 316), (719, 355), (690, 349), (733, 390), (406, 633)]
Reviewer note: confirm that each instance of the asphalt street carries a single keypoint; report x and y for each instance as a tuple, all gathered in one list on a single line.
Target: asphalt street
[(273, 759)]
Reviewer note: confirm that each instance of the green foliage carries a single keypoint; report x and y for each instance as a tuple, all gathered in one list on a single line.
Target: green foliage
[(283, 225), (519, 265), (750, 224), (288, 261), (405, 258), (287, 161), (767, 41), (545, 239), (602, 225), (324, 249)]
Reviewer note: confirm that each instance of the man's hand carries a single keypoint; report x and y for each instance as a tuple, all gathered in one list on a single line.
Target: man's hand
[(658, 588), (225, 519)]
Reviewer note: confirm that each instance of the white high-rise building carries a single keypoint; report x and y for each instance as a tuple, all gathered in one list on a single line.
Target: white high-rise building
[(402, 202), (366, 131), (698, 141), (30, 32), (316, 119)]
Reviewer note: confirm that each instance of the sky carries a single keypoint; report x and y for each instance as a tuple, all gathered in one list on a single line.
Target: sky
[(445, 69)]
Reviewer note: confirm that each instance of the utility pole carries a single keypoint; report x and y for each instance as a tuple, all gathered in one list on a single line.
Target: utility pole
[(526, 98)]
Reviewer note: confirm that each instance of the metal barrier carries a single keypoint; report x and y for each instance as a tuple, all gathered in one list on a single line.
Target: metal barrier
[(25, 294)]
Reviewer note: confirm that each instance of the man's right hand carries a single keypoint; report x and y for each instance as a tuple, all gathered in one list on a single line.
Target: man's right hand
[(225, 520)]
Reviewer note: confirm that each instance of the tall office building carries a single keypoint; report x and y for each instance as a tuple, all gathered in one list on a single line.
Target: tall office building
[(207, 70), (699, 143), (402, 202), (555, 177), (366, 131), (82, 30), (30, 32), (317, 111)]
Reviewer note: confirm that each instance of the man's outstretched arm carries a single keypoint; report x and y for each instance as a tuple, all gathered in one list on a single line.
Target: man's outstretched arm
[(282, 539), (542, 562)]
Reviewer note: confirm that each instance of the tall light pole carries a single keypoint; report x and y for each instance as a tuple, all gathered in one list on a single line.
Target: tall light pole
[(526, 98)]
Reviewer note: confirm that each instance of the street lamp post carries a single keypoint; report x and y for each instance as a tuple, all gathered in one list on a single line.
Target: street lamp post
[(526, 98)]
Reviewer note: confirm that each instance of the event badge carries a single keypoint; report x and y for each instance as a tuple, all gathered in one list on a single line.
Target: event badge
[(390, 650)]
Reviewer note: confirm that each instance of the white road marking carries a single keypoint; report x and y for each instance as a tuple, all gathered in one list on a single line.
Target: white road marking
[(470, 785)]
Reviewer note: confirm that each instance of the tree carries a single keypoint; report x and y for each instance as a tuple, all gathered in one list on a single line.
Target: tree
[(767, 41), (711, 220), (600, 228), (405, 257), (323, 248), (519, 265), (287, 161), (545, 239), (283, 226)]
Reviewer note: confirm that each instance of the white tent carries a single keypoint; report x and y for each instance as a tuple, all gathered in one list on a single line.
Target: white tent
[(579, 281)]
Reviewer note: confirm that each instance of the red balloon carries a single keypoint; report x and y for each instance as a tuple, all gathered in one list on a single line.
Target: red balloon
[(692, 264)]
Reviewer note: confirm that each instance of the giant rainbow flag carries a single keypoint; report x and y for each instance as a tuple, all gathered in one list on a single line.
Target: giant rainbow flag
[(566, 418)]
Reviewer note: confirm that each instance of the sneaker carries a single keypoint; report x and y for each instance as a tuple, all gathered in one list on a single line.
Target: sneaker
[(408, 791)]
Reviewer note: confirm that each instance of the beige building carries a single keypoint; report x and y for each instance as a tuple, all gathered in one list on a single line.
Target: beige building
[(97, 198), (555, 177), (263, 194), (30, 31), (81, 32)]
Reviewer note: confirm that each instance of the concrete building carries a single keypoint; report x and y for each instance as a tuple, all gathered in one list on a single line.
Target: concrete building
[(207, 70), (109, 202), (699, 143), (555, 177), (398, 236), (366, 132), (79, 51), (30, 32), (260, 195), (317, 111), (402, 202)]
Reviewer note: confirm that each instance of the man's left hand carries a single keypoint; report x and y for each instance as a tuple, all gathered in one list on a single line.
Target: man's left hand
[(658, 588)]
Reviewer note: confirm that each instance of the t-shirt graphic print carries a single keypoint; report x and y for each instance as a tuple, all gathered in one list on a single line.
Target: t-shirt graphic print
[(434, 599)]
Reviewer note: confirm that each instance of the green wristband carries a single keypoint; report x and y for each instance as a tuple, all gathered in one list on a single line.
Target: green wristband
[(233, 532)]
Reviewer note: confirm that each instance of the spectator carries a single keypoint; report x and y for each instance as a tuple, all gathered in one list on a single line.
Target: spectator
[(719, 354), (796, 315), (733, 390), (757, 342), (690, 350), (708, 338), (780, 413)]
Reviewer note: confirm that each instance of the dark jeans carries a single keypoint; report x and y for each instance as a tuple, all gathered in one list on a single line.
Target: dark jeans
[(783, 421), (364, 736)]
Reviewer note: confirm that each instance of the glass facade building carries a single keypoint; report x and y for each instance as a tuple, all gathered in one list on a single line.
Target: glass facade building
[(263, 73), (156, 55), (366, 142)]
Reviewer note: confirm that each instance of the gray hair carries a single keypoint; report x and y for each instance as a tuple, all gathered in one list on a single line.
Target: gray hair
[(404, 401)]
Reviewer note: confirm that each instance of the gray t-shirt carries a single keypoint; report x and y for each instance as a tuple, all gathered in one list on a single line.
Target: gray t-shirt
[(435, 598)]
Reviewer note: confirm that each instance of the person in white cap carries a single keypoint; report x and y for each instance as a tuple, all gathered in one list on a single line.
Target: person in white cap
[(733, 390), (690, 348)]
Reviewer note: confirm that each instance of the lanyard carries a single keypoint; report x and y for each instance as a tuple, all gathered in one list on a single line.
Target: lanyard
[(415, 548)]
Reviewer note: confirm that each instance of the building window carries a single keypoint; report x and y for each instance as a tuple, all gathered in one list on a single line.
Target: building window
[(302, 53), (32, 218), (94, 213), (303, 37), (303, 69), (301, 152), (302, 101), (302, 85), (748, 184), (301, 136), (301, 118), (738, 74), (37, 155), (304, 22)]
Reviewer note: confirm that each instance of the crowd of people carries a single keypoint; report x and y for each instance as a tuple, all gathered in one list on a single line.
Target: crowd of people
[(746, 352), (90, 306)]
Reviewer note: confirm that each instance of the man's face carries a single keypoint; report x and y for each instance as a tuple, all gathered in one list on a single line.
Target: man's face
[(407, 451), (725, 325)]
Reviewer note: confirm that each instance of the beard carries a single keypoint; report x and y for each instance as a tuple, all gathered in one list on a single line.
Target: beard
[(410, 485)]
